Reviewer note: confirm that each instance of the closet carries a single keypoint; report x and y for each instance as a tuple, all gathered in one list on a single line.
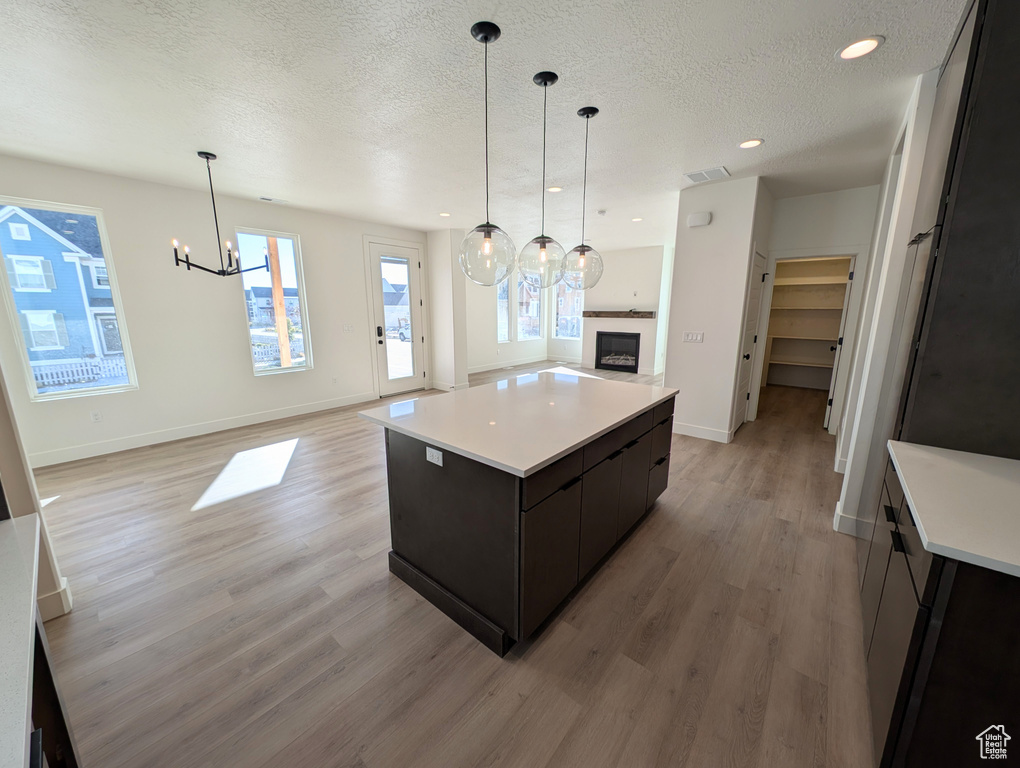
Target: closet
[(809, 301)]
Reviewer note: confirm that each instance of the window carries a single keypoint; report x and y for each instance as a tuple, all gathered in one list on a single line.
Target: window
[(100, 278), (277, 323), (568, 311), (65, 346), (529, 311), (503, 310), (31, 273), (45, 330)]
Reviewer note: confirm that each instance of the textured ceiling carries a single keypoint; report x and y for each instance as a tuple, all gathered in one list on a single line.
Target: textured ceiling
[(372, 109)]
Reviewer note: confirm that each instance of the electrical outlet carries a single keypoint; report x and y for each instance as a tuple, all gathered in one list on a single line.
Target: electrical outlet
[(694, 338), (348, 328), (434, 455), (97, 415), (334, 379)]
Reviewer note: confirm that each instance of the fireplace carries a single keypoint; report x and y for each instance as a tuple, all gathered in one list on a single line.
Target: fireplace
[(617, 351)]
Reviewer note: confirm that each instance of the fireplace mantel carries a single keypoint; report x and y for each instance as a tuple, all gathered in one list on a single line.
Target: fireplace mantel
[(636, 314)]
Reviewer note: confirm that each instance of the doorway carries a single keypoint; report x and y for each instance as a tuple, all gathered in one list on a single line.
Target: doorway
[(398, 331), (807, 322), (749, 340)]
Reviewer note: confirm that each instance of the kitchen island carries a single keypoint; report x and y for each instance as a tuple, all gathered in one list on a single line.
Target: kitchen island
[(504, 497)]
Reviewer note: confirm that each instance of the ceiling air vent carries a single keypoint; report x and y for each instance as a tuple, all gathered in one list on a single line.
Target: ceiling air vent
[(710, 174)]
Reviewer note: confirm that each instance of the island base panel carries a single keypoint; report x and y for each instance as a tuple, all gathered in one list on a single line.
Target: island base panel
[(487, 633)]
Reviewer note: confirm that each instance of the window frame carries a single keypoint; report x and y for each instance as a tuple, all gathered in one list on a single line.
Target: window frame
[(511, 325), (93, 268), (118, 307), (15, 258), (517, 315), (21, 227), (580, 316), (52, 316), (306, 331)]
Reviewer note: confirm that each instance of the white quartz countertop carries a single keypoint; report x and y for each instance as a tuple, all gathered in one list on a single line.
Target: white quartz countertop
[(966, 506), (522, 423), (19, 563)]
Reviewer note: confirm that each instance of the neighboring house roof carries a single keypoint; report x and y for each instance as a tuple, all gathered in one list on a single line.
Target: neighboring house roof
[(265, 292), (10, 210), (387, 287), (394, 299)]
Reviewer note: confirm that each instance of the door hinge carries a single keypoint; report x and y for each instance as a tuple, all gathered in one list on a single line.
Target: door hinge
[(851, 276), (419, 265), (830, 401), (748, 395), (840, 342), (755, 339), (421, 302)]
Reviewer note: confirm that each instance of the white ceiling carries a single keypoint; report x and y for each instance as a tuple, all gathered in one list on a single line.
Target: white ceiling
[(373, 109)]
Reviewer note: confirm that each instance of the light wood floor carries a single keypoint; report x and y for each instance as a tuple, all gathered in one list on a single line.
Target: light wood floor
[(267, 631)]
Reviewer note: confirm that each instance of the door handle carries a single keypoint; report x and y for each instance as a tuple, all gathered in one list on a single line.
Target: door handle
[(378, 331), (832, 349), (897, 542), (747, 356)]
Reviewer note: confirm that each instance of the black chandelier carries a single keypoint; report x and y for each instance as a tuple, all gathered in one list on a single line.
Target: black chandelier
[(232, 266)]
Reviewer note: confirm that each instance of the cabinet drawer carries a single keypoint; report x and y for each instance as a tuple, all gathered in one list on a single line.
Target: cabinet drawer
[(549, 537), (611, 442), (634, 483), (663, 411), (662, 441), (600, 509), (658, 479), (547, 481)]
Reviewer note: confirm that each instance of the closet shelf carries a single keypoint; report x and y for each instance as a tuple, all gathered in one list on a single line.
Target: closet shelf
[(804, 338), (803, 363), (834, 309), (809, 281)]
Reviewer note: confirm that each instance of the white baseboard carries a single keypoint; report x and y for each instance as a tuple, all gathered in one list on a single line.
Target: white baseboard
[(706, 433), (840, 465), (55, 603), (443, 385), (507, 363), (844, 523), (88, 450)]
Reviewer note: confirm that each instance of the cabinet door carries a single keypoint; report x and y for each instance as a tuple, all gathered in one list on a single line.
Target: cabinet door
[(874, 579), (549, 540), (634, 483), (658, 479), (600, 506), (897, 615)]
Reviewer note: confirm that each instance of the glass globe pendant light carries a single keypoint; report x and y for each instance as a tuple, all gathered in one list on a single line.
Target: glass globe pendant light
[(541, 261), (487, 253), (583, 264)]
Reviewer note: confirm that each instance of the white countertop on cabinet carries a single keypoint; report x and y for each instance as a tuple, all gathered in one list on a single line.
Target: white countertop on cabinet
[(19, 566), (523, 423), (966, 506)]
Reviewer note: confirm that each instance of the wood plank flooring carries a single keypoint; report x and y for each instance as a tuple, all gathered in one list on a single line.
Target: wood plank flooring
[(267, 630)]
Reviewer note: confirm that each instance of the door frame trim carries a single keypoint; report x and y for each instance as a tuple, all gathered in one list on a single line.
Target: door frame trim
[(370, 307)]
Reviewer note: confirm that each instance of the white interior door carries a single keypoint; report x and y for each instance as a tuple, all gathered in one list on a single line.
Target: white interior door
[(839, 348), (748, 339), (398, 333)]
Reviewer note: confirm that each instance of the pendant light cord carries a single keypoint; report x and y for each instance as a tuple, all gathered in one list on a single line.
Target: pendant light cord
[(216, 219), (584, 186), (487, 132), (545, 120)]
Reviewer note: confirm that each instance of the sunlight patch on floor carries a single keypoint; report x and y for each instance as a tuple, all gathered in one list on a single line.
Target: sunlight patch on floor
[(50, 500), (569, 372), (248, 472)]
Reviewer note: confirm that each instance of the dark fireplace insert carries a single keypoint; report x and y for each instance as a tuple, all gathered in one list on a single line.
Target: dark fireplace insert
[(617, 351)]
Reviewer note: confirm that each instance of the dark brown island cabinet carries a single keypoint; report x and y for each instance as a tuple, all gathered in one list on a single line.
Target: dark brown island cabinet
[(496, 530), (942, 629)]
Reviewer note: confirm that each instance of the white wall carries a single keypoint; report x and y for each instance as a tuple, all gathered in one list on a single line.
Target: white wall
[(448, 299), (188, 330), (483, 351), (891, 327), (710, 271), (632, 280)]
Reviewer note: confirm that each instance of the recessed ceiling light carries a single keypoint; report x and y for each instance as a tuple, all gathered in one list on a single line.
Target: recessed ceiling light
[(637, 219), (861, 47), (554, 189), (444, 214), (751, 143)]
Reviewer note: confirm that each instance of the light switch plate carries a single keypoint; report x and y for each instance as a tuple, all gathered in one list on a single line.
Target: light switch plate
[(434, 455), (694, 338)]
